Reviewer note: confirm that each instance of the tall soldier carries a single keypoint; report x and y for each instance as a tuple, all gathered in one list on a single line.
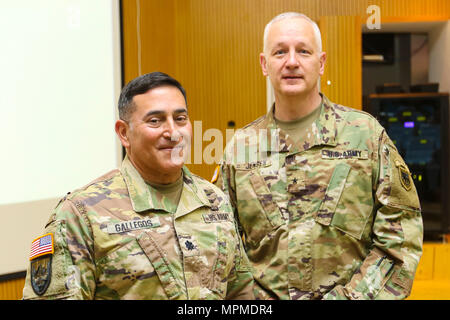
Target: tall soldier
[(326, 205), (151, 230)]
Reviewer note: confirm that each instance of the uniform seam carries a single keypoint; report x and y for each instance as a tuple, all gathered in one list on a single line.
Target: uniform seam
[(88, 223)]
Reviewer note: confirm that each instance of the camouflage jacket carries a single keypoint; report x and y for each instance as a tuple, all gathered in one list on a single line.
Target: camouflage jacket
[(334, 217), (114, 239)]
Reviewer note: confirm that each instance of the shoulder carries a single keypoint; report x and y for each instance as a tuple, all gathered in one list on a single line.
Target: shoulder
[(213, 193), (255, 124), (205, 184), (356, 120), (103, 187), (248, 136), (349, 112)]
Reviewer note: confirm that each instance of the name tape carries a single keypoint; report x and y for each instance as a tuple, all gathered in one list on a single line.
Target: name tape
[(216, 217), (347, 154), (127, 226)]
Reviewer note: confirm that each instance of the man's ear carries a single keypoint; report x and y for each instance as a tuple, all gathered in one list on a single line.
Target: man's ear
[(122, 130), (263, 62), (322, 59)]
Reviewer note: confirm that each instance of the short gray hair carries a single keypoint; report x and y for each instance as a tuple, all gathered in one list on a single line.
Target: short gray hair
[(288, 15)]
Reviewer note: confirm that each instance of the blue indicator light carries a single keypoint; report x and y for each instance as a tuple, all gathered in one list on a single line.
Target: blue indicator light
[(409, 124)]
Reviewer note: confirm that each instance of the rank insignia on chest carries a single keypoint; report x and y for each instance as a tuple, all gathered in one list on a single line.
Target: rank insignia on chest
[(42, 250), (188, 245)]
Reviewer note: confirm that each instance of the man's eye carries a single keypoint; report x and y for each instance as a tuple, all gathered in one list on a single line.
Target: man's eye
[(181, 118), (279, 52), (303, 51), (154, 121)]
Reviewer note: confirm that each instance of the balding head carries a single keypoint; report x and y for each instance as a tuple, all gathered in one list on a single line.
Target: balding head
[(294, 15)]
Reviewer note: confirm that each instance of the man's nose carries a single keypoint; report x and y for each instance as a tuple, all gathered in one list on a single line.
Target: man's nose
[(292, 61), (171, 131)]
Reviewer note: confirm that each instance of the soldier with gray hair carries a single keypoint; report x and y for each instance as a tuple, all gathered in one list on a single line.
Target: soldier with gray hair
[(150, 230), (326, 206)]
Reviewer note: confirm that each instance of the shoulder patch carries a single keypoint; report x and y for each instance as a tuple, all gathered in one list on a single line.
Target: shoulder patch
[(41, 274), (41, 246), (41, 263), (404, 175)]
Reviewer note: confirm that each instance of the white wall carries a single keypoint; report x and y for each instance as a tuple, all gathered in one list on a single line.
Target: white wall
[(60, 80), (439, 69)]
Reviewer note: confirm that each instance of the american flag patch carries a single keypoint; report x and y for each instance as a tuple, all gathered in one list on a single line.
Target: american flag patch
[(42, 246)]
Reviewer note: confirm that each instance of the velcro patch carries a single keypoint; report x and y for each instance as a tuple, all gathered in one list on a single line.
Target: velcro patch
[(41, 274), (127, 226), (405, 176), (41, 246), (216, 217), (188, 245), (346, 154)]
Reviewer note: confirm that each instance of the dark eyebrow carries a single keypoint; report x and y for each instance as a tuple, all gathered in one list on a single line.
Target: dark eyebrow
[(153, 112), (159, 112)]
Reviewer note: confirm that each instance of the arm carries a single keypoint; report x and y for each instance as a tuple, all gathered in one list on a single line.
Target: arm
[(225, 181), (72, 266), (388, 270)]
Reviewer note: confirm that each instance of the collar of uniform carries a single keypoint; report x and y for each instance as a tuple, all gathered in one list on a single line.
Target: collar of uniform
[(143, 197), (327, 123), (192, 196), (284, 142), (325, 129)]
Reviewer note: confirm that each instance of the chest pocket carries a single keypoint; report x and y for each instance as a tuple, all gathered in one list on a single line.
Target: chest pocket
[(134, 265), (161, 266), (208, 258), (261, 214), (223, 262), (348, 201)]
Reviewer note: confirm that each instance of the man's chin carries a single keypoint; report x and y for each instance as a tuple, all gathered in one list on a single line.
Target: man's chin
[(169, 167), (297, 90)]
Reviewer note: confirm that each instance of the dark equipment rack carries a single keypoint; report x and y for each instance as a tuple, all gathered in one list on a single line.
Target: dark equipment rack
[(410, 120)]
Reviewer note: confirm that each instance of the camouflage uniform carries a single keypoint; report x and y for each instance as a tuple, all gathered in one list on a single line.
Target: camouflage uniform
[(114, 239), (336, 216)]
